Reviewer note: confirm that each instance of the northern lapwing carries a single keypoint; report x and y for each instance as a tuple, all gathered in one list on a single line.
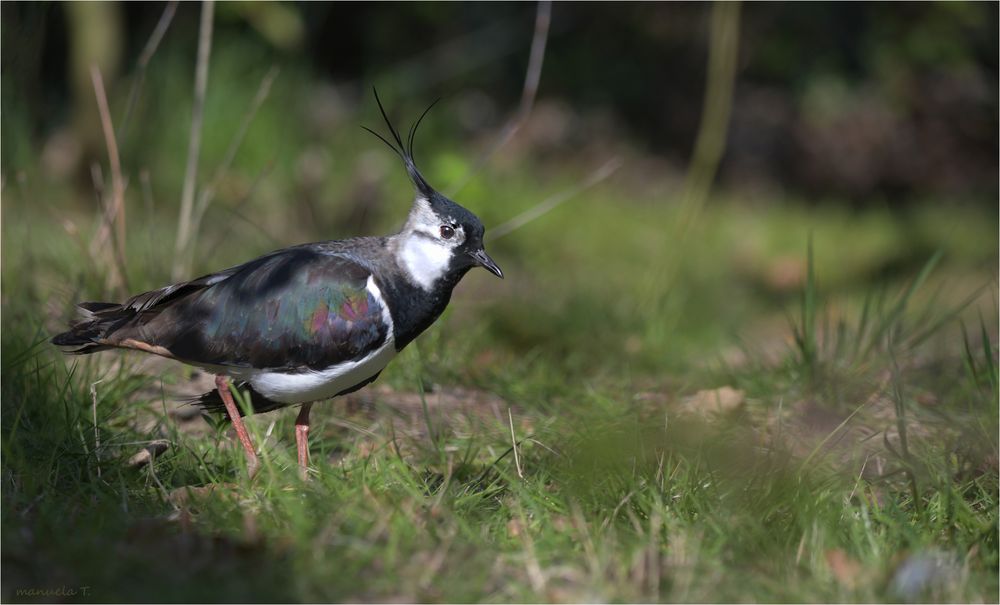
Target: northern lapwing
[(306, 323)]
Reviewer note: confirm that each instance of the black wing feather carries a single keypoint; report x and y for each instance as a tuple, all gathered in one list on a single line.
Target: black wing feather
[(301, 308)]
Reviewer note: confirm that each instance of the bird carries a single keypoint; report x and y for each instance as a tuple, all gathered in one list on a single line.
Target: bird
[(305, 323)]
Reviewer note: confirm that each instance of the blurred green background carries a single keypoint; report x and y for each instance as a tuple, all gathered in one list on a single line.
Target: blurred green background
[(868, 103), (874, 127), (785, 213)]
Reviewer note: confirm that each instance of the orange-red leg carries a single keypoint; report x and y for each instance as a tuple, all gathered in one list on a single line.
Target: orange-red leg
[(302, 439), (222, 384)]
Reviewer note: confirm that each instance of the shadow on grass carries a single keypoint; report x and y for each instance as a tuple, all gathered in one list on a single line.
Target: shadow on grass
[(78, 526)]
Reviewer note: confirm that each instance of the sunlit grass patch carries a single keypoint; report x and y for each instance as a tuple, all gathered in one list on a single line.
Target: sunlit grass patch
[(542, 442)]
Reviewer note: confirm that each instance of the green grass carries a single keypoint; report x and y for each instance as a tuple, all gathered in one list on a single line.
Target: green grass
[(863, 344), (868, 440)]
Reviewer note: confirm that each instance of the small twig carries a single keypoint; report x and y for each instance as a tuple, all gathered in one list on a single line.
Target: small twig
[(237, 212), (545, 447), (551, 202), (830, 435), (543, 18), (614, 513), (194, 140), (532, 76), (115, 211), (267, 435), (97, 434), (802, 547), (392, 435), (861, 473), (272, 240), (142, 442), (353, 427), (207, 193), (147, 54), (163, 490), (513, 440)]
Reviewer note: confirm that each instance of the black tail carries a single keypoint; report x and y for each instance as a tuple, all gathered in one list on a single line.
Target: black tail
[(96, 321), (211, 402)]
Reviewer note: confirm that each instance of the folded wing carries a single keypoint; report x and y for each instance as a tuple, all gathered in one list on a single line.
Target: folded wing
[(297, 309)]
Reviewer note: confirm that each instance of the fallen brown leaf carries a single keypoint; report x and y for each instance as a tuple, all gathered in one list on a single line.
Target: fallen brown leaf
[(720, 400), (146, 454)]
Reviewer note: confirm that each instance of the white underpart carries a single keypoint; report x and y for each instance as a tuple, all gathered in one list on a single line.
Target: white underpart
[(323, 384), (304, 387), (424, 258)]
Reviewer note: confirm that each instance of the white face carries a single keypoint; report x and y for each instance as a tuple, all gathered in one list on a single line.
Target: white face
[(428, 242)]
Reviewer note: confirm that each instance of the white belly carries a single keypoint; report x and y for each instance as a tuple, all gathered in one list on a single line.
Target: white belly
[(322, 384)]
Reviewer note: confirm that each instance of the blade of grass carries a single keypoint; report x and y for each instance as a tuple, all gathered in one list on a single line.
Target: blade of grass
[(990, 363), (892, 320), (815, 450), (806, 334), (935, 325), (969, 358)]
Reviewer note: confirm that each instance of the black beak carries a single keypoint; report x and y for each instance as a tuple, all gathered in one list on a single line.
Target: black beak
[(483, 260)]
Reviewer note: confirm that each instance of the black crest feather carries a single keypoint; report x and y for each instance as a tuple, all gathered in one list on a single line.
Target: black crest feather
[(404, 151)]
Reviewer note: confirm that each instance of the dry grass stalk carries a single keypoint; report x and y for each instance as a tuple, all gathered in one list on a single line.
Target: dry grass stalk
[(513, 440), (723, 52), (97, 433), (532, 76), (553, 201), (147, 54), (207, 194), (711, 142), (194, 140), (236, 211), (114, 209)]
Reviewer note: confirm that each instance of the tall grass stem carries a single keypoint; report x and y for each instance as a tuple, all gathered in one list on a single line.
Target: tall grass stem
[(114, 214), (184, 222), (532, 78)]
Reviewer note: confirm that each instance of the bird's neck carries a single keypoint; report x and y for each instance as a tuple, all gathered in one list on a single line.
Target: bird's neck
[(422, 260), (422, 289)]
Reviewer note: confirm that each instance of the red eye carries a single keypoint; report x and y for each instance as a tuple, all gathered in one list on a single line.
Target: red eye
[(447, 231)]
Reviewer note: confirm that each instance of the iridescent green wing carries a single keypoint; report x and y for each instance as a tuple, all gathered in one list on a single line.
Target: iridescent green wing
[(296, 309)]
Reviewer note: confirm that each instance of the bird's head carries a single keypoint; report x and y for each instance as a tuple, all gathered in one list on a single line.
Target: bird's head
[(440, 237)]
